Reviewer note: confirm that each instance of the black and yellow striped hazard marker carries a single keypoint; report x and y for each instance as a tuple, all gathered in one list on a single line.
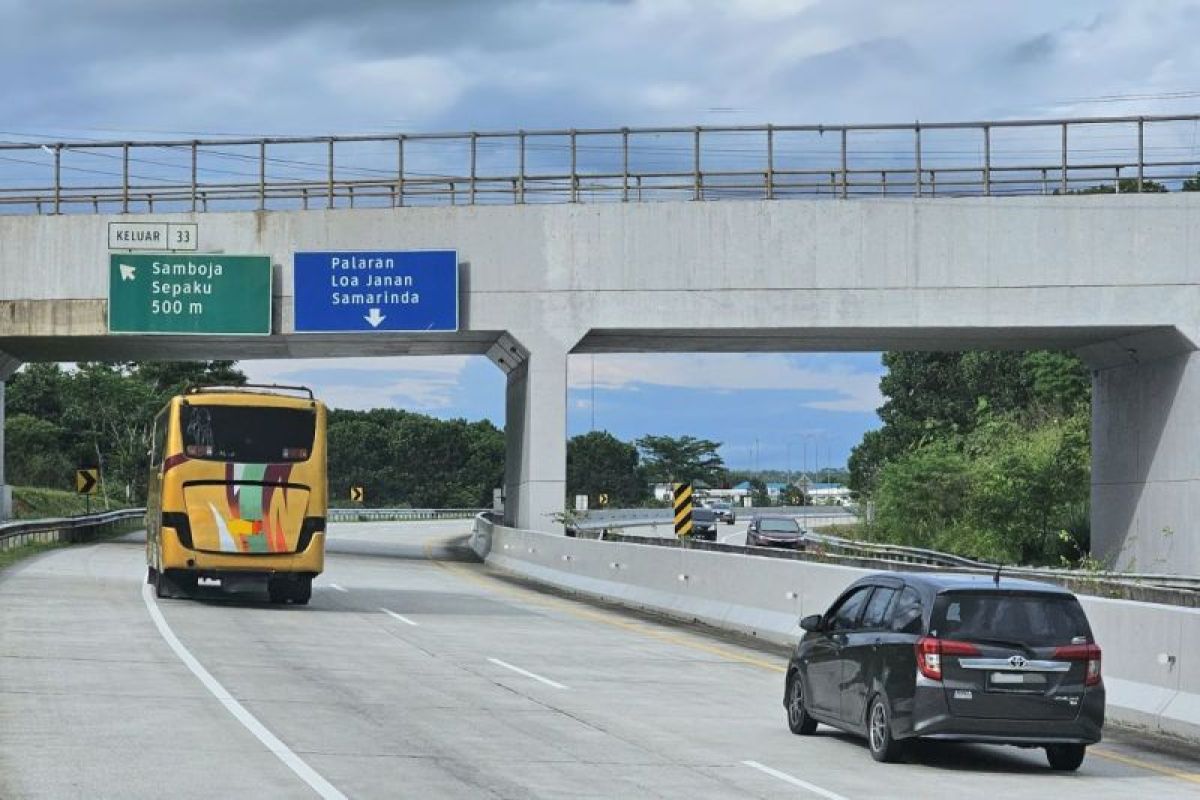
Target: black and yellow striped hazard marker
[(683, 509)]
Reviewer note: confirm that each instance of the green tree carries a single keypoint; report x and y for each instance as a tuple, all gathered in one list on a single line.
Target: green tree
[(1124, 186), (599, 462), (34, 448), (932, 396), (172, 377), (1192, 184), (669, 459), (406, 459), (1006, 492)]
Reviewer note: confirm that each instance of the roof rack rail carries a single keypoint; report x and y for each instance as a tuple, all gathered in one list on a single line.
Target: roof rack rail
[(227, 388)]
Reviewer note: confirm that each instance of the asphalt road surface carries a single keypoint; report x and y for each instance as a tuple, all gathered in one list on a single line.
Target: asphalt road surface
[(416, 673)]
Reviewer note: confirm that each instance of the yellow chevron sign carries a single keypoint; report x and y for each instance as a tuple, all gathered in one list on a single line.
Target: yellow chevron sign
[(86, 480), (356, 494), (683, 509)]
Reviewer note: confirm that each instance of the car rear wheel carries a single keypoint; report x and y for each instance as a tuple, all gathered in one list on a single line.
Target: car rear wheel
[(879, 732), (799, 720), (1065, 757)]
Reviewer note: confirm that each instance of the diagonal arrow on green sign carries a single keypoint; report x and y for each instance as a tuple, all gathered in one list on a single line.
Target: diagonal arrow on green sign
[(189, 294)]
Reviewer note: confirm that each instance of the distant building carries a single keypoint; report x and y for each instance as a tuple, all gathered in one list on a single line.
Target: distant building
[(828, 494)]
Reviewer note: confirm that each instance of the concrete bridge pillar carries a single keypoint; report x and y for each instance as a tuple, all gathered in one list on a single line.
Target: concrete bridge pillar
[(8, 365), (1146, 463), (535, 431)]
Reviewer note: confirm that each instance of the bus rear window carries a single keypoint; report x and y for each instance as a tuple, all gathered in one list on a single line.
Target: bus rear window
[(247, 434)]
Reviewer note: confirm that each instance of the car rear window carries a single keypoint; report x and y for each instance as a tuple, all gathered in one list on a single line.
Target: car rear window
[(1035, 620)]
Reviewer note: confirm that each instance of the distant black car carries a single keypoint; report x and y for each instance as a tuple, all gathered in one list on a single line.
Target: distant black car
[(956, 657), (704, 523), (775, 530)]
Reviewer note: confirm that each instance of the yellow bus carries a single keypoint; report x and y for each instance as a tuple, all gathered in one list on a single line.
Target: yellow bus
[(237, 491)]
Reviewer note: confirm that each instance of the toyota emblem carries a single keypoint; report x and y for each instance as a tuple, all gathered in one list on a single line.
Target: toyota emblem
[(1017, 662)]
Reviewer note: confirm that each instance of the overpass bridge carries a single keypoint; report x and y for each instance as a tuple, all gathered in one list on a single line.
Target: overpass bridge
[(962, 248)]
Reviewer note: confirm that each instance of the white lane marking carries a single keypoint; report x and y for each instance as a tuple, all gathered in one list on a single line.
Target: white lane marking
[(527, 673), (730, 536), (783, 776), (239, 712), (400, 617), (335, 587)]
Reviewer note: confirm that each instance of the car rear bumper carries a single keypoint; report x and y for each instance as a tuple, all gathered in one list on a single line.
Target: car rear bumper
[(931, 719)]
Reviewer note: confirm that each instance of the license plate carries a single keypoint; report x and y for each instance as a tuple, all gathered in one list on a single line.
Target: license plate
[(1008, 677), (1031, 679)]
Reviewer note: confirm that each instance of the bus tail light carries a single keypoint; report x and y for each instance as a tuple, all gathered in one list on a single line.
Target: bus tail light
[(310, 526), (178, 521)]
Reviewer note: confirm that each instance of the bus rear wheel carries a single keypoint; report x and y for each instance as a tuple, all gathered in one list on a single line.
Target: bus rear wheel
[(302, 590), (295, 589)]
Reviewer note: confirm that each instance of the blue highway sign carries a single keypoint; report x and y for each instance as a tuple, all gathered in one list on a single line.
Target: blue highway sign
[(409, 290)]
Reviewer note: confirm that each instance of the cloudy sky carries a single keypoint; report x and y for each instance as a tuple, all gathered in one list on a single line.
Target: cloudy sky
[(109, 69)]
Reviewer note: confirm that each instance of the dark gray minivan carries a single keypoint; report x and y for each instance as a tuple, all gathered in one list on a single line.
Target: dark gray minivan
[(901, 656)]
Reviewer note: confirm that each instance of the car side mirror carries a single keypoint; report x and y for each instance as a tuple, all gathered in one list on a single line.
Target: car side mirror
[(812, 623)]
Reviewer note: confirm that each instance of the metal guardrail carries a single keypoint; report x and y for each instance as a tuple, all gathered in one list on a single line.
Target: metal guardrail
[(620, 518), (840, 548), (80, 528), (983, 158), (917, 555), (398, 514)]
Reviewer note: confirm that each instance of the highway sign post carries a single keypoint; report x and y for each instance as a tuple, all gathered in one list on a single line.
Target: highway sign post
[(189, 294), (683, 509), (410, 290)]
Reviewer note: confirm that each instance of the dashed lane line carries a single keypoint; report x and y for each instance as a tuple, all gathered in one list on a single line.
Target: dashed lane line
[(794, 781), (400, 617), (527, 673)]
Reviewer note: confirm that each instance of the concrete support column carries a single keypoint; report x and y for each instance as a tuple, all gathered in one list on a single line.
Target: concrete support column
[(5, 489), (1146, 464), (8, 365), (535, 433)]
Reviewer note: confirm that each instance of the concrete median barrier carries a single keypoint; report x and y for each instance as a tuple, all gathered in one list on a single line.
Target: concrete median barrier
[(1151, 651)]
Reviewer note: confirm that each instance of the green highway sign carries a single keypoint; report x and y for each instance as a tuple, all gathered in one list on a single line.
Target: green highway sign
[(189, 293)]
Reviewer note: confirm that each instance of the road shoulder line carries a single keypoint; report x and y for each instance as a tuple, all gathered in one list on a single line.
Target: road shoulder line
[(239, 712)]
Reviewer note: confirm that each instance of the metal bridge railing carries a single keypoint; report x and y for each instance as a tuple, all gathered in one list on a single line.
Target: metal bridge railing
[(955, 159)]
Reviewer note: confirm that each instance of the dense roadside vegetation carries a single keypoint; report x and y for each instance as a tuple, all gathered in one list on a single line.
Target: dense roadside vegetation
[(983, 454)]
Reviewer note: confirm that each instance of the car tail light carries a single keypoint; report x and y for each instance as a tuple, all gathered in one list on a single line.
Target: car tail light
[(930, 651), (1083, 652)]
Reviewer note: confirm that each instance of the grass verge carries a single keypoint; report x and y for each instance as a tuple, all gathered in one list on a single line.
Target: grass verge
[(35, 502)]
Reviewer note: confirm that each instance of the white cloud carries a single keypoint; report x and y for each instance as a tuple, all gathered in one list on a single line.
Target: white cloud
[(426, 383), (853, 390)]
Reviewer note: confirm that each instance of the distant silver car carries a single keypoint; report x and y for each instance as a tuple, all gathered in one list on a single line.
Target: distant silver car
[(725, 513)]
